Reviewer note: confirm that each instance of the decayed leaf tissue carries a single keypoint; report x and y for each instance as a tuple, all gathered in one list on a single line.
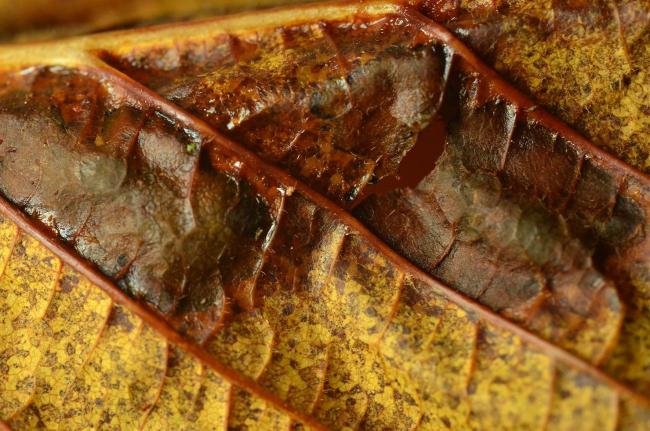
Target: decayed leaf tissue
[(356, 215)]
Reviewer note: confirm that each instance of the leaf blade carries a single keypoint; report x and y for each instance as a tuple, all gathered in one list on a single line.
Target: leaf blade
[(358, 347)]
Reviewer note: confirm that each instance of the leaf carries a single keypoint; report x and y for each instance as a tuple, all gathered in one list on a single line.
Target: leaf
[(265, 282), (64, 356), (587, 61), (36, 20)]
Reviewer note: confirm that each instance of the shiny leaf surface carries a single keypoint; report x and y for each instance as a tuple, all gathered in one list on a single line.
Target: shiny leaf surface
[(257, 300)]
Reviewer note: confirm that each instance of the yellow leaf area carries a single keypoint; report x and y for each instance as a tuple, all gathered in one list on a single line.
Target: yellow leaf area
[(360, 344), (72, 359), (587, 61), (341, 334)]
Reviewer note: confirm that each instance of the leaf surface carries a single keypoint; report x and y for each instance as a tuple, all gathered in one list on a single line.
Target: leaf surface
[(586, 61), (274, 307), (74, 358), (36, 20)]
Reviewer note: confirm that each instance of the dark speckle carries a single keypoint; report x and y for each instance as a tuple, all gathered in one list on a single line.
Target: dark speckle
[(19, 249), (119, 318), (287, 310), (68, 282), (122, 259), (627, 81)]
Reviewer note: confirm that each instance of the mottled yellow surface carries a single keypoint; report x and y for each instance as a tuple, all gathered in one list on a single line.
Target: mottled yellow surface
[(586, 61), (585, 404), (631, 356), (71, 359), (73, 322), (178, 394), (26, 295), (412, 359)]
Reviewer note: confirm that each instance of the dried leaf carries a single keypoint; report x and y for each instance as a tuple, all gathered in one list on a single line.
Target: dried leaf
[(38, 20), (587, 61), (275, 308), (65, 360)]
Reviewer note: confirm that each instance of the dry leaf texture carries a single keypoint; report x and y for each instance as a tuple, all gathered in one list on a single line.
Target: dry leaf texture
[(271, 305), (586, 61), (38, 20)]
